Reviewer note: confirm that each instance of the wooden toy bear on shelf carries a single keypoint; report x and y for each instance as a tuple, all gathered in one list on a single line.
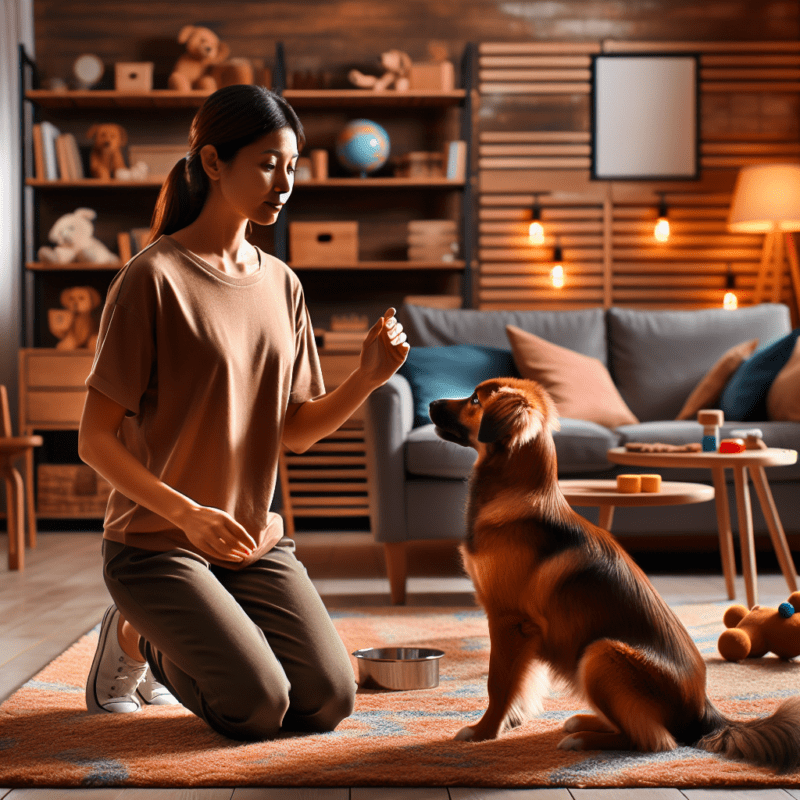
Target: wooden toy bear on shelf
[(75, 325), (206, 64)]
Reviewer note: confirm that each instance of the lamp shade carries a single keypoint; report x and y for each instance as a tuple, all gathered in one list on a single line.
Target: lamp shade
[(766, 197)]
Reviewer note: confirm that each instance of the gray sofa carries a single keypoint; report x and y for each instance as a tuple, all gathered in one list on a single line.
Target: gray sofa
[(656, 358)]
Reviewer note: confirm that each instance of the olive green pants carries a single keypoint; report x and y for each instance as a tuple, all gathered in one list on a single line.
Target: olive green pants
[(252, 652)]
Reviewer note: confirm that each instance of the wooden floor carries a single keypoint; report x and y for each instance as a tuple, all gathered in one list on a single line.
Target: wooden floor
[(61, 595)]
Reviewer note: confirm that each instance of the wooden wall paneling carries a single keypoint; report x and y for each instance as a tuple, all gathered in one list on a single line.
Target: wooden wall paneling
[(750, 114)]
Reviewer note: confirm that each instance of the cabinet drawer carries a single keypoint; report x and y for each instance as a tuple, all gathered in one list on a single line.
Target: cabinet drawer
[(54, 408), (54, 369)]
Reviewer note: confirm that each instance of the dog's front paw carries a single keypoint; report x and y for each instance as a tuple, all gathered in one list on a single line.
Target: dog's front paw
[(571, 743), (465, 735)]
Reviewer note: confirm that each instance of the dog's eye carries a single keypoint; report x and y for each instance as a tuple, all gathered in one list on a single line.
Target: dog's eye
[(474, 400)]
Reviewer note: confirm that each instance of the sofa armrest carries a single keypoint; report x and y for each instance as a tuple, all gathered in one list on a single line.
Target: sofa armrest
[(388, 420)]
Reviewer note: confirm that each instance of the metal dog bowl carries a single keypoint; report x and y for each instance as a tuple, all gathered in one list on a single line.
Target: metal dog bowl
[(398, 667)]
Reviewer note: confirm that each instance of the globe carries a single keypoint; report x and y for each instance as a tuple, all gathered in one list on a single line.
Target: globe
[(362, 146)]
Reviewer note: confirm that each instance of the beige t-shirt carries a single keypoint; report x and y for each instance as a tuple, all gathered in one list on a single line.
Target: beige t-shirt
[(205, 363)]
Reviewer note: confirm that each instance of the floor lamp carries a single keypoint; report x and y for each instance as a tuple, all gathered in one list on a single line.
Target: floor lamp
[(766, 199)]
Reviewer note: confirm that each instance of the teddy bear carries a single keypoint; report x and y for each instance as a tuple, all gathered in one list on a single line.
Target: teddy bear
[(396, 64), (106, 160), (205, 64), (75, 325), (761, 630), (74, 240), (106, 157)]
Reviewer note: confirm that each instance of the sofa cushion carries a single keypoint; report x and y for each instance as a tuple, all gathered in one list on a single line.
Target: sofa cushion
[(783, 398), (580, 385), (745, 395), (580, 448), (437, 372), (706, 393), (583, 330), (657, 357)]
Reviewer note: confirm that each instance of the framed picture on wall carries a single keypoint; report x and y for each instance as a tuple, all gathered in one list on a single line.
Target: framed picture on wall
[(645, 116)]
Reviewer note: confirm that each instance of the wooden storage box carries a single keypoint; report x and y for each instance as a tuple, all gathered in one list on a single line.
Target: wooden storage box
[(71, 489), (322, 243), (436, 76), (160, 158), (133, 76)]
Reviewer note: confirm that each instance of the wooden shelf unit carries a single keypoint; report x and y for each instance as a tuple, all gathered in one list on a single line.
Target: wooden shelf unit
[(331, 479)]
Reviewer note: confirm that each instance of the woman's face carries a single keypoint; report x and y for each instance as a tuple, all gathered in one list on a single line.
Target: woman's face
[(259, 179)]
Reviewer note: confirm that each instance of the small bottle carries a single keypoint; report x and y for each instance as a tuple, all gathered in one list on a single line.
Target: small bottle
[(710, 419)]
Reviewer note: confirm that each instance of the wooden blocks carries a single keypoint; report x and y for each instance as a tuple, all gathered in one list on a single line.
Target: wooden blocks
[(437, 76), (633, 484), (323, 243), (133, 76)]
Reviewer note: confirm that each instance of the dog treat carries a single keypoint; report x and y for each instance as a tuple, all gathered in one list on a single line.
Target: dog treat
[(651, 483), (660, 447), (732, 446), (629, 484), (752, 438)]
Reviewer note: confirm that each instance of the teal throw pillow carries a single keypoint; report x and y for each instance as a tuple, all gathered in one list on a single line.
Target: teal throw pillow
[(744, 398), (452, 371)]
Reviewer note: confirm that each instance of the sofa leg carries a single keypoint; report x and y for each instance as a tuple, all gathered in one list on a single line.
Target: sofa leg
[(396, 570)]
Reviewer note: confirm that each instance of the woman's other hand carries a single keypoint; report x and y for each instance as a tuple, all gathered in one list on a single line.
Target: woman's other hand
[(384, 349), (216, 533)]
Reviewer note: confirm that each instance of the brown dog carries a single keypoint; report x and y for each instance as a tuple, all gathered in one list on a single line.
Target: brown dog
[(561, 595)]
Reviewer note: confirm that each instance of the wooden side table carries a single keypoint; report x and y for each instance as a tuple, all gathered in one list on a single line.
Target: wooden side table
[(754, 463), (604, 494)]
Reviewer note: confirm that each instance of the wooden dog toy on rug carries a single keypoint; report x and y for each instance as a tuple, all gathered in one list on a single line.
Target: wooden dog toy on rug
[(752, 634)]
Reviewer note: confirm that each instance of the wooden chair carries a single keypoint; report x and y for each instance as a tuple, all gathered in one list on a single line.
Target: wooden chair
[(11, 449)]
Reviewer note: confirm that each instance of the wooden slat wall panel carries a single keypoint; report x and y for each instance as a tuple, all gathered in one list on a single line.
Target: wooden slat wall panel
[(750, 114), (328, 480)]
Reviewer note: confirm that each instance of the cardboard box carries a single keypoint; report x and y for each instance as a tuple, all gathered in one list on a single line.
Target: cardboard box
[(322, 243), (133, 76), (435, 76)]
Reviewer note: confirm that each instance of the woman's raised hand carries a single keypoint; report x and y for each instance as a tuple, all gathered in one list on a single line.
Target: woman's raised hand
[(384, 349)]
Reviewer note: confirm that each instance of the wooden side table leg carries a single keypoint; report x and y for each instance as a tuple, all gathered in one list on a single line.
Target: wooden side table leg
[(29, 500), (776, 532), (606, 517), (15, 518), (724, 528), (745, 514)]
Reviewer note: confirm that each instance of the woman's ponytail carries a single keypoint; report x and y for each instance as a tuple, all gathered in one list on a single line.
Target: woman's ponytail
[(181, 198)]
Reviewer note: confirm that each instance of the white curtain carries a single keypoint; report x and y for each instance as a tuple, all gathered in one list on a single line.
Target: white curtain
[(16, 28)]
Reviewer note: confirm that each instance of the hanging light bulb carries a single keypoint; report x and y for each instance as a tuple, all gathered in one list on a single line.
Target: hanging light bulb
[(557, 272), (661, 230), (730, 302), (536, 229)]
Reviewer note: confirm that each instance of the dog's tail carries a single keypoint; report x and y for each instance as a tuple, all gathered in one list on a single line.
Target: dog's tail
[(772, 741)]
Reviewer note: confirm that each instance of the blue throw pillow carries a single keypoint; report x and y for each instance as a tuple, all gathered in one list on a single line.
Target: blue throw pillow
[(744, 399), (452, 371)]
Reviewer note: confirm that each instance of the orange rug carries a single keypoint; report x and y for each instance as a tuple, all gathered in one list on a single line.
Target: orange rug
[(392, 739)]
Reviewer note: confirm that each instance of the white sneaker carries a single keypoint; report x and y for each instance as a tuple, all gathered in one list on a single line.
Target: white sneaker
[(153, 693), (114, 677)]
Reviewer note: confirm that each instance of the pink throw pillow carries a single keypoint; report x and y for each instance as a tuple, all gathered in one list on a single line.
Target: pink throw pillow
[(581, 386)]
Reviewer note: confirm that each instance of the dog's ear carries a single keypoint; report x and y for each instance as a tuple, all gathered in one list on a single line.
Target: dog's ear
[(508, 413)]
